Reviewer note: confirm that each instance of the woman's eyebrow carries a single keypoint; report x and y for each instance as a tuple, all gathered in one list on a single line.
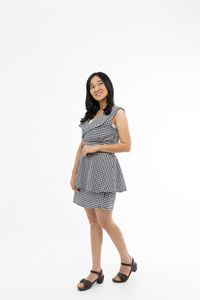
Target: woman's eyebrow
[(97, 81)]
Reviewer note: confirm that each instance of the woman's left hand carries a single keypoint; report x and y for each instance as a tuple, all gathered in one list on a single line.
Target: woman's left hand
[(89, 149)]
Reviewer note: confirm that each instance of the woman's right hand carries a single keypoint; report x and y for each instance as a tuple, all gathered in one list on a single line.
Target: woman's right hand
[(72, 182)]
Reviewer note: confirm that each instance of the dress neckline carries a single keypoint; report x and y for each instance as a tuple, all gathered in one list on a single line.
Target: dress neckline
[(96, 117), (90, 121)]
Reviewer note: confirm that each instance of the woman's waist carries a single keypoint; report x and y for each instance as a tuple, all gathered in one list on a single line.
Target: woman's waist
[(98, 153), (93, 143)]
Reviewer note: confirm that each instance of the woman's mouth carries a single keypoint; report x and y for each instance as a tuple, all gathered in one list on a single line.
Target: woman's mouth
[(98, 94)]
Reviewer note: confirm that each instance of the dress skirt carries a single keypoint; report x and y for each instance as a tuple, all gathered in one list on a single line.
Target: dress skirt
[(90, 199)]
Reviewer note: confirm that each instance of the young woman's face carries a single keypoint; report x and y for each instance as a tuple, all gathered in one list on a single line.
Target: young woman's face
[(97, 88)]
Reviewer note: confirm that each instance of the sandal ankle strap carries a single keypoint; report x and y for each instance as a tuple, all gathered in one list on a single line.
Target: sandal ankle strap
[(93, 271), (128, 264)]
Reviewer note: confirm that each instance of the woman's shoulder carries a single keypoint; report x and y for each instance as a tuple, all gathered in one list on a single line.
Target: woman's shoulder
[(117, 107)]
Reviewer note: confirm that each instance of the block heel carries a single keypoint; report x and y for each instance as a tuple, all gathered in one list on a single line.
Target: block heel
[(100, 280), (134, 267)]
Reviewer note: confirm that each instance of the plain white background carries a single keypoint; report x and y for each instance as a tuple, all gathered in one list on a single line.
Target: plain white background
[(150, 50)]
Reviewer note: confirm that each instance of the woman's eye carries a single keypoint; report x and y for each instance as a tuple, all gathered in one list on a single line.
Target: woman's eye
[(92, 86)]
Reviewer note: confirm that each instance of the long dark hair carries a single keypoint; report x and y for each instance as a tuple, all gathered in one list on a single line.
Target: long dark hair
[(92, 106)]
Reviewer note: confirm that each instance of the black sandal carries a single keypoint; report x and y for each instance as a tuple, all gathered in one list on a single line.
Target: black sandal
[(88, 284), (125, 277)]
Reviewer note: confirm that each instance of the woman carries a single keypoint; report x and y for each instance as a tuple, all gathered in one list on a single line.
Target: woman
[(97, 175)]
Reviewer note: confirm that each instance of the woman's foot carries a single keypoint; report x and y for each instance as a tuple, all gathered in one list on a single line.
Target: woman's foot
[(91, 277), (124, 269)]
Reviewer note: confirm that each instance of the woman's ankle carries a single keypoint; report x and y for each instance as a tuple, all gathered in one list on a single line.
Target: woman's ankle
[(127, 258), (96, 268)]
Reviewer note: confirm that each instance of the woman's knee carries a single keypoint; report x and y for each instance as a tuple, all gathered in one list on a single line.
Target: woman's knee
[(91, 215), (104, 217), (105, 223)]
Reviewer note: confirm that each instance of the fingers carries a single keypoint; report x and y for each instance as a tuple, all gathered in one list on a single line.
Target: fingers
[(74, 188), (84, 154)]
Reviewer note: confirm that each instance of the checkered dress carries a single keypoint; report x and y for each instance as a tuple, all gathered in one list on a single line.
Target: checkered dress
[(99, 175)]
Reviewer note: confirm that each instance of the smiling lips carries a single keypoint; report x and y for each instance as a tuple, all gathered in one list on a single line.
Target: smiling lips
[(98, 94)]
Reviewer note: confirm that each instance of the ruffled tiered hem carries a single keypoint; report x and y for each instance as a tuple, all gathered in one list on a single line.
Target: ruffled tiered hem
[(100, 172)]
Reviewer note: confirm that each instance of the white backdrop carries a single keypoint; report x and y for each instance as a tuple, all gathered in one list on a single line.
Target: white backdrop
[(150, 50)]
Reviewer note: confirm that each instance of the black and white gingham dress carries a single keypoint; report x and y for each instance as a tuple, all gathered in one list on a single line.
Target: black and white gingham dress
[(99, 175)]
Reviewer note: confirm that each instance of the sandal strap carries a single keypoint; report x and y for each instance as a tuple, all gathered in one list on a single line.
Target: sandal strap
[(87, 283), (122, 276), (93, 271), (128, 264)]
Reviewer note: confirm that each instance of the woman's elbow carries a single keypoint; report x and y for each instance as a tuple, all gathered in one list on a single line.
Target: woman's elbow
[(128, 147)]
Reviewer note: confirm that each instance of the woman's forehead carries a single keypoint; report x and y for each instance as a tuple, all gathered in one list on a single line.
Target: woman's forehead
[(95, 79)]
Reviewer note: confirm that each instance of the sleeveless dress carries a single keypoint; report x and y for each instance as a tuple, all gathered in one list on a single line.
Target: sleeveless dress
[(99, 176)]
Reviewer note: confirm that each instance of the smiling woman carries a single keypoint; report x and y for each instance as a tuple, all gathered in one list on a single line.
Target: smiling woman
[(97, 175)]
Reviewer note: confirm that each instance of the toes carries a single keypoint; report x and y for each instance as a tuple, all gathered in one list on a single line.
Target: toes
[(117, 278), (81, 285)]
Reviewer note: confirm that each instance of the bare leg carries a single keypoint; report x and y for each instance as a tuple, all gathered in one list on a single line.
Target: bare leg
[(104, 218), (96, 236)]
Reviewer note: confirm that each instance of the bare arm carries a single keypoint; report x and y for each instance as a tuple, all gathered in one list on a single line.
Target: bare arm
[(125, 139), (79, 151)]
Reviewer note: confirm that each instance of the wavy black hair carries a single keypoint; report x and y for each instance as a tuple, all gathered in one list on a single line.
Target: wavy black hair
[(92, 106)]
